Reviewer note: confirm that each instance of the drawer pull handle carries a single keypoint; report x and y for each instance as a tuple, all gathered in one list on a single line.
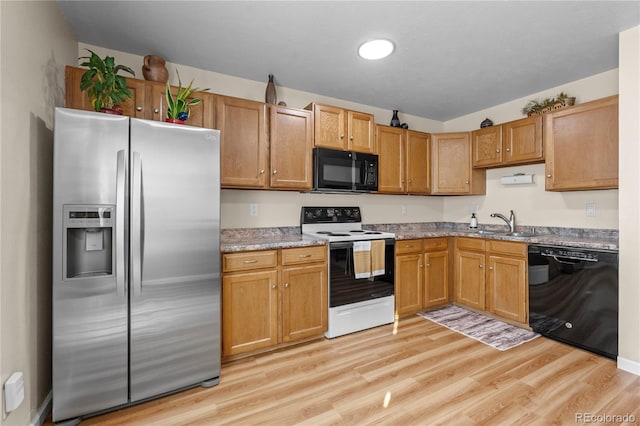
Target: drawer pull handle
[(305, 255), (251, 261)]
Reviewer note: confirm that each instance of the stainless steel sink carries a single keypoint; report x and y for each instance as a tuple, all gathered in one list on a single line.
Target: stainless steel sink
[(517, 234), (486, 232)]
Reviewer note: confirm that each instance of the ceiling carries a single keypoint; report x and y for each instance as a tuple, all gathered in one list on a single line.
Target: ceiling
[(452, 57)]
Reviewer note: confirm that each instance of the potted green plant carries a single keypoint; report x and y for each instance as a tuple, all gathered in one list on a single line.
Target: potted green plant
[(178, 106), (106, 89)]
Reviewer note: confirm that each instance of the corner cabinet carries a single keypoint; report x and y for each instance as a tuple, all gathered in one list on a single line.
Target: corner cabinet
[(515, 142), (342, 129), (270, 297), (581, 145), (491, 276), (422, 274), (404, 160), (451, 169)]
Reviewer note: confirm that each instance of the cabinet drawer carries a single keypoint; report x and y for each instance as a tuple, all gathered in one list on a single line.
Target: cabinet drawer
[(470, 243), (430, 244), (507, 247), (408, 246), (249, 260), (293, 256)]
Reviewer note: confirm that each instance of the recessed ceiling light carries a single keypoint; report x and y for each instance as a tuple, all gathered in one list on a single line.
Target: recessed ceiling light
[(375, 49)]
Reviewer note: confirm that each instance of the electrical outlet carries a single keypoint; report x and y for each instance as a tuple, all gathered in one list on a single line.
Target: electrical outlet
[(591, 209), (253, 210)]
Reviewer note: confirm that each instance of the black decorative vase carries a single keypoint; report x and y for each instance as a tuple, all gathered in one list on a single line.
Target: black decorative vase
[(270, 94), (486, 123), (395, 121)]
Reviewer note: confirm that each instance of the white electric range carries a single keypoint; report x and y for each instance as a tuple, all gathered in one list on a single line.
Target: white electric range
[(354, 303)]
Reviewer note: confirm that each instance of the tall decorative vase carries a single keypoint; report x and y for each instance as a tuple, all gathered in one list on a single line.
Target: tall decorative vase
[(395, 121), (270, 94)]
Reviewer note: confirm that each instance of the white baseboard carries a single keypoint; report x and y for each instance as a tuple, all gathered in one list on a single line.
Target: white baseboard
[(628, 365), (43, 411)]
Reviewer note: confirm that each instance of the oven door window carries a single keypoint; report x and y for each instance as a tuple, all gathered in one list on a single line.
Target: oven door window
[(345, 289)]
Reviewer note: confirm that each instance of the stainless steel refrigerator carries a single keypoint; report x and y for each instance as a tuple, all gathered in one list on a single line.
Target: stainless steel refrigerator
[(136, 262)]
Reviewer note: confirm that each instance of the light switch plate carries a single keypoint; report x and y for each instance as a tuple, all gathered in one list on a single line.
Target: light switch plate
[(591, 209)]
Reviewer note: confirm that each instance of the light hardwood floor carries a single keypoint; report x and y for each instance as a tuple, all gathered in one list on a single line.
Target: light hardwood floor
[(413, 373)]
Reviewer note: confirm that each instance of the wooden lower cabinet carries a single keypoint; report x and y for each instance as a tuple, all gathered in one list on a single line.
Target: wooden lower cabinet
[(421, 274), (273, 296), (491, 276)]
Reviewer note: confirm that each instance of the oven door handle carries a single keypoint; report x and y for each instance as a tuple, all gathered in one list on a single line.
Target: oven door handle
[(341, 245)]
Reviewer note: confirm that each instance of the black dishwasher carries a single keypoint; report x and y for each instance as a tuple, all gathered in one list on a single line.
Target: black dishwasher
[(573, 297)]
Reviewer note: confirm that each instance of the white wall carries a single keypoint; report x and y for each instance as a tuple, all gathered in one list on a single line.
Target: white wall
[(531, 203), (36, 43), (629, 315)]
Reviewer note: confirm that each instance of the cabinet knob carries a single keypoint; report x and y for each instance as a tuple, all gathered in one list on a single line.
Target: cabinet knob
[(508, 149), (549, 175), (138, 108), (274, 286), (421, 265), (351, 137), (410, 180), (481, 266), (156, 110), (262, 171), (498, 150), (275, 171), (286, 285), (491, 268), (466, 182), (341, 136), (428, 265)]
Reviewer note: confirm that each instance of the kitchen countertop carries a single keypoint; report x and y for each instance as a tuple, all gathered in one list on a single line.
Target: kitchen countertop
[(247, 239)]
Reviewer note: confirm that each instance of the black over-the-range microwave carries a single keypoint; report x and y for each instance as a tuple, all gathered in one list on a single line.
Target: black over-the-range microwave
[(344, 171)]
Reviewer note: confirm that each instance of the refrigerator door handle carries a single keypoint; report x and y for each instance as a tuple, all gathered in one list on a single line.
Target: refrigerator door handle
[(136, 224), (120, 195)]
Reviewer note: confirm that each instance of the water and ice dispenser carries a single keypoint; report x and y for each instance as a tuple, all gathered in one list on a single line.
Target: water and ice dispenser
[(88, 241)]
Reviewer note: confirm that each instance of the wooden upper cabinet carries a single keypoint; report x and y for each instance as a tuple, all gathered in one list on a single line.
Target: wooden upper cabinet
[(342, 129), (451, 166), (522, 140), (360, 132), (418, 162), (243, 142), (136, 106), (581, 146), (329, 126), (201, 114), (391, 147), (515, 142), (487, 146), (290, 145)]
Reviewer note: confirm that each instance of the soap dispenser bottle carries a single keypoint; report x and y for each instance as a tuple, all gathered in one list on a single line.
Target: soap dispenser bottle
[(473, 224)]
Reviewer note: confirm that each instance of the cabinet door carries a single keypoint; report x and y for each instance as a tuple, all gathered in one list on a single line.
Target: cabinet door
[(201, 114), (581, 146), (304, 301), (360, 132), (436, 285), (291, 142), (470, 279), (487, 146), (451, 165), (329, 126), (522, 140), (390, 143), (249, 311), (506, 290), (243, 142), (418, 162), (135, 106), (408, 278)]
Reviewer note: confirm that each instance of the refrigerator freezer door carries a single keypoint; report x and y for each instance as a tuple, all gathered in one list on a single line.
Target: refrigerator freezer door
[(90, 324), (175, 228)]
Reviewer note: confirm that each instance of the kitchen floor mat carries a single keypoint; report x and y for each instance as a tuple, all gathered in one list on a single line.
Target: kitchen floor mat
[(482, 328)]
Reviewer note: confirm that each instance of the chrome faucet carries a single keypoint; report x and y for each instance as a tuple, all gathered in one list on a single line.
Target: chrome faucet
[(511, 221)]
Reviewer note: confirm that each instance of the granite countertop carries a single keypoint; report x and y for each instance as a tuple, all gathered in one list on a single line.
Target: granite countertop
[(247, 239)]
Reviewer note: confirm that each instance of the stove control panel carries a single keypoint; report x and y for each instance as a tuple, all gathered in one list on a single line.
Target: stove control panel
[(330, 215)]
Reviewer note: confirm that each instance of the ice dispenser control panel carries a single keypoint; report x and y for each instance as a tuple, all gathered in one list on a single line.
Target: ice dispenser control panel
[(88, 235)]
